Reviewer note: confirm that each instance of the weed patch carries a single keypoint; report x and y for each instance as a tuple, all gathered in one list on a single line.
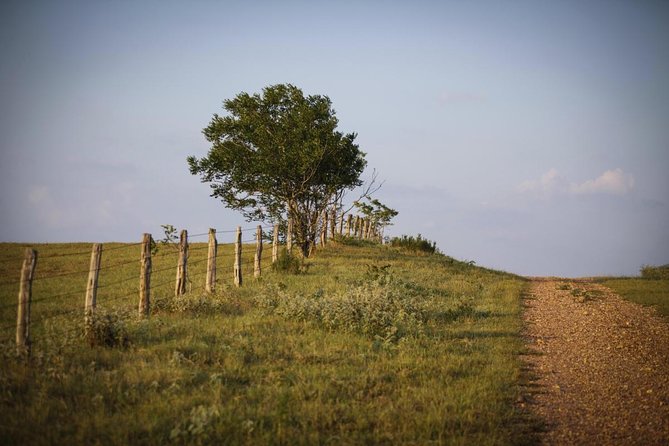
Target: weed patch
[(290, 263), (199, 304), (379, 309), (104, 329)]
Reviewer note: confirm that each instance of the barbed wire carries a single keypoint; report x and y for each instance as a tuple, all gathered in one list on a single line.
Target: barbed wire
[(266, 261)]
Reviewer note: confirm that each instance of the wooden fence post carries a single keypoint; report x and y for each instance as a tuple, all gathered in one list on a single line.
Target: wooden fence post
[(25, 297), (238, 258), (324, 226), (275, 244), (289, 236), (358, 226), (258, 257), (145, 276), (210, 285), (182, 274), (333, 223), (341, 224), (349, 223), (92, 284)]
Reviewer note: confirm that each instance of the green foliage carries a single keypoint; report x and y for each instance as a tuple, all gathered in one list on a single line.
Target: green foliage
[(655, 272), (289, 263), (583, 295), (104, 329), (198, 303), (279, 154), (381, 309), (414, 244), (377, 211)]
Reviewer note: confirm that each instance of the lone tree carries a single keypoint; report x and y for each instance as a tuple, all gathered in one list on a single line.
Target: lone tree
[(279, 155)]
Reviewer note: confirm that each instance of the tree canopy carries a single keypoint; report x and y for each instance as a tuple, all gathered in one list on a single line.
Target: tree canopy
[(279, 155)]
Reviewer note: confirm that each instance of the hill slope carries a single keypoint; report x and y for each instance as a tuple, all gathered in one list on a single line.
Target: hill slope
[(369, 345)]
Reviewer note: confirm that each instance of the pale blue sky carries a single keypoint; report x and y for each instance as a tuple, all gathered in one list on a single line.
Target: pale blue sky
[(530, 136)]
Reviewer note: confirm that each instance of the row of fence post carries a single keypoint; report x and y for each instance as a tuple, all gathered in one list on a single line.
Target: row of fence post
[(361, 228), (90, 303)]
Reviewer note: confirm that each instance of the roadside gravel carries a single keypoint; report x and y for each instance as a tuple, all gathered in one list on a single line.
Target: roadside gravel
[(600, 366)]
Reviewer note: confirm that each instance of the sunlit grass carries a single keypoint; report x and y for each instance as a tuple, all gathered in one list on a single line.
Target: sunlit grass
[(220, 369), (650, 292)]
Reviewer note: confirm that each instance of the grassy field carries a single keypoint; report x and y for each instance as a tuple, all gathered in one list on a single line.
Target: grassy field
[(652, 292), (369, 345)]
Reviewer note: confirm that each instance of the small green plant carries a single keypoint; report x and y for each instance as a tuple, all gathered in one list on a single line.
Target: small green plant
[(583, 295), (289, 263), (106, 330), (416, 244), (563, 287), (655, 272), (375, 272), (170, 239)]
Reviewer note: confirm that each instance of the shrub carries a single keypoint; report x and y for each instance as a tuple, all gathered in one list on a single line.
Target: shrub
[(655, 272), (106, 330), (289, 263), (414, 244), (195, 303), (381, 309)]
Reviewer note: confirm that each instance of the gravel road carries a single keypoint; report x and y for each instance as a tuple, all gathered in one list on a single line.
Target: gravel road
[(600, 366)]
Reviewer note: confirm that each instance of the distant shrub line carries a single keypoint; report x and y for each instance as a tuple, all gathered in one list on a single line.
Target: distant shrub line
[(414, 244), (655, 272)]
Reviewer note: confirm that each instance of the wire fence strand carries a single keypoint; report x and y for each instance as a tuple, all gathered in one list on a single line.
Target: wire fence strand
[(107, 295)]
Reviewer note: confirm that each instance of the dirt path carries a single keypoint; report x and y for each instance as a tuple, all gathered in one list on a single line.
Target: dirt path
[(600, 363)]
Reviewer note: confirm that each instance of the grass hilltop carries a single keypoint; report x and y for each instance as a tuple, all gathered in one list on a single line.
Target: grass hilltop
[(365, 344)]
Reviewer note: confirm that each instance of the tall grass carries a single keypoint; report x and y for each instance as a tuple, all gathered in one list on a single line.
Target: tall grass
[(368, 345)]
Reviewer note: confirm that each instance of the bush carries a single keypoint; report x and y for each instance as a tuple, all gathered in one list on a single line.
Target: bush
[(414, 244), (289, 263), (381, 309), (195, 303), (655, 272), (106, 330)]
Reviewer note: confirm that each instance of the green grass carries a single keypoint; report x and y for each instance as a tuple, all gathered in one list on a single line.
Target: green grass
[(369, 346), (649, 292)]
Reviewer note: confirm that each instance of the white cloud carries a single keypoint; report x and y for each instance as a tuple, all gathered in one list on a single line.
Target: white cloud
[(610, 182), (614, 182), (550, 183)]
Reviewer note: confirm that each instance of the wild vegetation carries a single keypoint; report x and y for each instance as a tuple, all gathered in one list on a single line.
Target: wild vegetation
[(364, 345), (414, 244), (655, 272)]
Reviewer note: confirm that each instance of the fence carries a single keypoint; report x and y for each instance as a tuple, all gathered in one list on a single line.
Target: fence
[(153, 264)]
